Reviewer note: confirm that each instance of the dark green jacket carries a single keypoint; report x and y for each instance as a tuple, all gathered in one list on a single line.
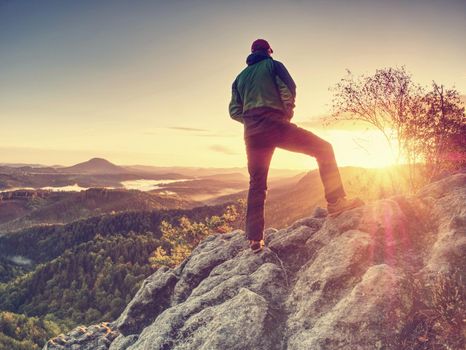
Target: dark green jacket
[(263, 85)]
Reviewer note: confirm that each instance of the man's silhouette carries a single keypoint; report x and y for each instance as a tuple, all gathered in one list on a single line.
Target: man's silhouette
[(263, 97)]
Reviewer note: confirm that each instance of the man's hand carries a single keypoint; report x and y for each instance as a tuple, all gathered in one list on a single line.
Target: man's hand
[(236, 105), (289, 112)]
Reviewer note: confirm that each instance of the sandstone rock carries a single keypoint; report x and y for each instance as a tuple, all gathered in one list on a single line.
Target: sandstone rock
[(369, 316), (152, 298), (323, 281), (234, 324), (95, 337), (204, 258), (123, 342), (248, 273), (449, 214), (290, 244)]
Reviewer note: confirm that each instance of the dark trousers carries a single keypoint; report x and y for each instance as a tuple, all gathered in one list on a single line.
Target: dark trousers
[(260, 148)]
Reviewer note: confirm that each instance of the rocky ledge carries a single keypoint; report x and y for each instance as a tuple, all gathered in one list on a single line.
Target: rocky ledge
[(357, 281)]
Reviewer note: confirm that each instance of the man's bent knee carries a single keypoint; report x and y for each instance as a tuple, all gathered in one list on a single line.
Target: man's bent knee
[(325, 152)]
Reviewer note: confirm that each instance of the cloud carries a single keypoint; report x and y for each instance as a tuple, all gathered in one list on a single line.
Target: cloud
[(346, 125), (311, 123), (220, 134), (203, 132), (222, 149), (193, 132), (182, 128)]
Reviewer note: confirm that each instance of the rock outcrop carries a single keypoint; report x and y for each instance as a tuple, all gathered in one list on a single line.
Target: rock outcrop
[(350, 282)]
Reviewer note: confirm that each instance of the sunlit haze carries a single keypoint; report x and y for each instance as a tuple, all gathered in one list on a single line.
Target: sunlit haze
[(148, 82)]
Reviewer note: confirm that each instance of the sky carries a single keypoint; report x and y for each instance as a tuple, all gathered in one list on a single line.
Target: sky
[(149, 82)]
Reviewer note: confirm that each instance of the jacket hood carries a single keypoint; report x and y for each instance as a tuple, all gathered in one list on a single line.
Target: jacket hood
[(257, 57)]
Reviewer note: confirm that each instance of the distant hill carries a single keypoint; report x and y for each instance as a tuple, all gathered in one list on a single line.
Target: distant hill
[(237, 177), (16, 165), (203, 172), (21, 209), (288, 203), (296, 197), (95, 166), (96, 172), (208, 187)]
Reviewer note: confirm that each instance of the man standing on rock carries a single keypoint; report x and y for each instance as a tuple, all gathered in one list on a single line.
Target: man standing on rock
[(263, 97)]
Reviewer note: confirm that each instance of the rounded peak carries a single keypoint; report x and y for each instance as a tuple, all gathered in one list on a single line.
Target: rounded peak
[(98, 160)]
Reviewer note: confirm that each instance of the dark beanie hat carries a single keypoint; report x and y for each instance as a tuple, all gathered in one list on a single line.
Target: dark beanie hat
[(260, 45)]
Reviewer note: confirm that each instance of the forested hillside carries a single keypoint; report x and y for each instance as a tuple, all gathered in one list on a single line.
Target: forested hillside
[(24, 208), (19, 332), (85, 271)]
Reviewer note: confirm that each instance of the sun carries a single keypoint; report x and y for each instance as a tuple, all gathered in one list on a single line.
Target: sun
[(368, 149)]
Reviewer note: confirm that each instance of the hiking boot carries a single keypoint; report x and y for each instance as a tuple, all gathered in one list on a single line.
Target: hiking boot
[(343, 204), (256, 246)]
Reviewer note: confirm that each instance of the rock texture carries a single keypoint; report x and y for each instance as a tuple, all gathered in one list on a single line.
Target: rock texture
[(322, 283)]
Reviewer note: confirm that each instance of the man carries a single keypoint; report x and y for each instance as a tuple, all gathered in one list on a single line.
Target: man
[(263, 97)]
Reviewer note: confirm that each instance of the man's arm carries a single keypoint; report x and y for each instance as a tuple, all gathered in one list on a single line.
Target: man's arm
[(236, 105), (286, 87)]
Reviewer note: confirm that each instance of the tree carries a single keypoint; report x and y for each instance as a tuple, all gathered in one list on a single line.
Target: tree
[(178, 241), (438, 131), (385, 100), (419, 127)]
